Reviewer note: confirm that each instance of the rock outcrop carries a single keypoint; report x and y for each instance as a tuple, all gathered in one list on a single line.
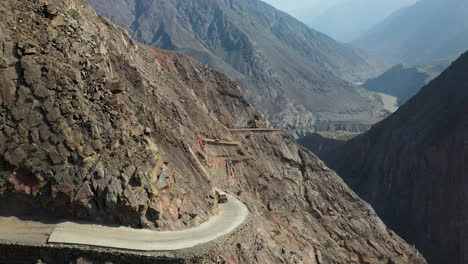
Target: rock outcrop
[(300, 78), (96, 126), (412, 167)]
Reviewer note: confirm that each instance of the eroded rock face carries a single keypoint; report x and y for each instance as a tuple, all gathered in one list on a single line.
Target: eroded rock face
[(77, 122), (412, 167), (98, 127)]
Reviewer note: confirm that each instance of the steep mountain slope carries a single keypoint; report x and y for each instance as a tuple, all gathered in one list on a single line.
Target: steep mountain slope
[(427, 31), (413, 167), (347, 21), (404, 82), (293, 73), (95, 126)]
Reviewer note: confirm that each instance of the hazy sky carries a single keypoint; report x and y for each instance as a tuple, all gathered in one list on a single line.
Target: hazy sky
[(300, 8), (344, 20)]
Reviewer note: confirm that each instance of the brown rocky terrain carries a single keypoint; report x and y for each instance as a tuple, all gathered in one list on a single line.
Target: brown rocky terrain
[(412, 167), (96, 126), (300, 78)]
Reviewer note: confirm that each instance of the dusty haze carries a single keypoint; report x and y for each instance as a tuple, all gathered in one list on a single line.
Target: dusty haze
[(344, 20)]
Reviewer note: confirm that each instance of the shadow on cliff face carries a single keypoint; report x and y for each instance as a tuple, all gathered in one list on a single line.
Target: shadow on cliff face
[(26, 207), (320, 144)]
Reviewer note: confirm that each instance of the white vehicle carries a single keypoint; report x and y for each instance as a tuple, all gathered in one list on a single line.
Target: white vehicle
[(222, 196)]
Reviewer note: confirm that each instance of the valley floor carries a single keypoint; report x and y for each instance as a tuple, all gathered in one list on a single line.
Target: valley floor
[(390, 102)]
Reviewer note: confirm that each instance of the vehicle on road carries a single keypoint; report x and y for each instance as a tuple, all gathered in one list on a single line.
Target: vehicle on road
[(222, 196)]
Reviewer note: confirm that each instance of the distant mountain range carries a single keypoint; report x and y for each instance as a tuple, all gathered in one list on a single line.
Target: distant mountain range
[(412, 167), (348, 20), (299, 77), (404, 82), (426, 31)]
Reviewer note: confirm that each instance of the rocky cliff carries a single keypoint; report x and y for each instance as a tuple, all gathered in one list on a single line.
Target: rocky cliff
[(96, 126), (300, 78), (412, 167)]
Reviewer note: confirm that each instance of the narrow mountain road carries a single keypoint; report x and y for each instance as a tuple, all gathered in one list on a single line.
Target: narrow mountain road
[(231, 215), (241, 130), (23, 232)]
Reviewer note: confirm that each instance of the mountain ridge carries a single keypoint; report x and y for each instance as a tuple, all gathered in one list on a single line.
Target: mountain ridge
[(426, 31), (364, 13), (404, 81), (412, 166), (286, 68)]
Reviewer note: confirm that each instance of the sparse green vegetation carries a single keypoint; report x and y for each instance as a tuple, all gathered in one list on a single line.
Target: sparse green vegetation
[(105, 21), (328, 244), (141, 114), (75, 14), (382, 257), (276, 232)]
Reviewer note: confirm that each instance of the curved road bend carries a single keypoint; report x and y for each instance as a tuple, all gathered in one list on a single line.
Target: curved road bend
[(231, 215)]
